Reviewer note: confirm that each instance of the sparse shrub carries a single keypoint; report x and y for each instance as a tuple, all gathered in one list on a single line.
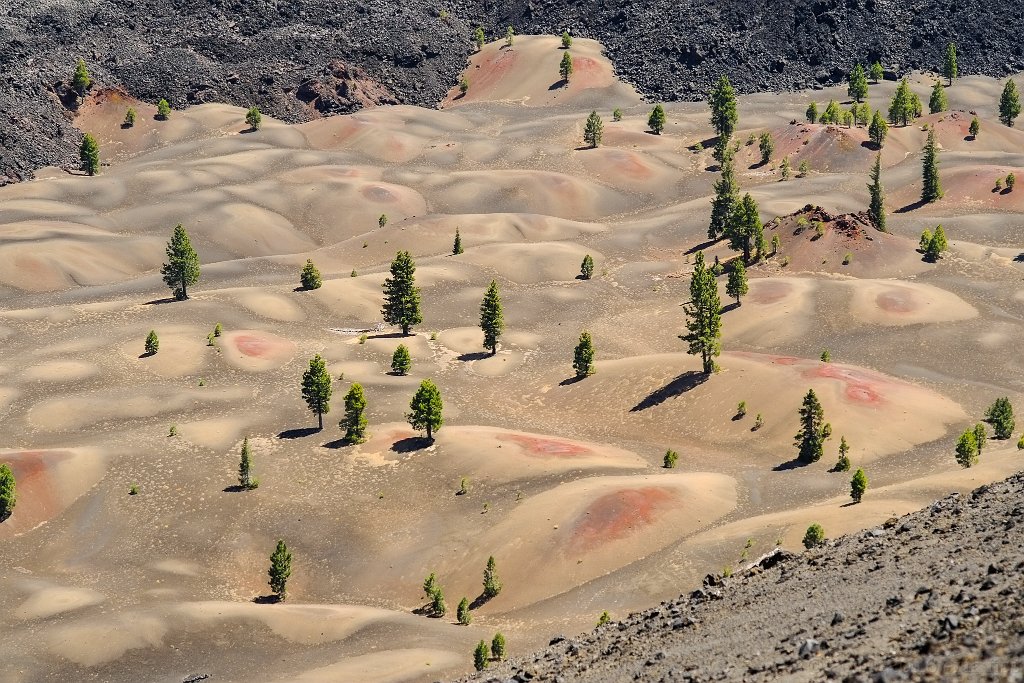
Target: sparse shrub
[(254, 118), (843, 464), (617, 115), (463, 85), (498, 648), (218, 330), (751, 139), (804, 168), (786, 168), (758, 422), (353, 273), (826, 356), (1000, 416), (670, 459), (819, 229), (1011, 180), (604, 618), (726, 571), (999, 184), (211, 340), (463, 487), (363, 338), (8, 491), (152, 343), (479, 38), (587, 267), (462, 612), (510, 37), (980, 437), (163, 110), (173, 431), (130, 117), (785, 261), (847, 258), (1020, 443), (401, 360), (382, 220), (202, 382), (741, 409), (858, 485), (814, 536), (133, 490), (433, 336), (776, 243)]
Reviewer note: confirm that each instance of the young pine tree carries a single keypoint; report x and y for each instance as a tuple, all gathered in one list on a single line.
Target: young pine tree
[(457, 245), (316, 388), (498, 648), (786, 168), (1009, 103), (878, 129), (280, 570), (492, 584), (354, 422), (858, 485), (566, 40), (182, 268), (737, 284), (425, 409), (1000, 416), (583, 356), (8, 491), (152, 343), (565, 66), (245, 479), (975, 128), (745, 229), (967, 449), (980, 437), (462, 612), (876, 72), (587, 267), (310, 276), (831, 113), (814, 536), (438, 606), (767, 147), (810, 440), (81, 81), (492, 320), (593, 130), (858, 84), (931, 190), (722, 101), (876, 209), (949, 69), (510, 37), (902, 107), (937, 244), (130, 117), (938, 101), (704, 316), (401, 360), (479, 38), (723, 205), (382, 220), (254, 118), (89, 153), (163, 110), (656, 121), (812, 112), (670, 459), (481, 656), (843, 465), (430, 585), (401, 296)]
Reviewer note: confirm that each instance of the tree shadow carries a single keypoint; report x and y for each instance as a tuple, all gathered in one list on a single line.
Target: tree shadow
[(583, 148), (411, 444), (972, 138), (570, 381), (794, 464), (848, 505), (759, 164), (476, 355), (730, 307), (582, 277), (389, 335), (710, 142), (337, 443), (868, 144), (147, 354), (911, 207), (266, 599), (681, 384), (561, 83), (1006, 190), (479, 601), (246, 131), (1019, 258), (299, 433), (235, 489), (701, 247), (165, 300)]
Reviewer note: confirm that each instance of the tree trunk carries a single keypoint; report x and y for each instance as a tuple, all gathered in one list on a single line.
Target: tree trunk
[(320, 417), (405, 329), (746, 251), (430, 432), (738, 300), (184, 290)]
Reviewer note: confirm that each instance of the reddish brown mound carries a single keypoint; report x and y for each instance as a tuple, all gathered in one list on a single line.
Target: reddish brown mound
[(545, 447), (617, 514)]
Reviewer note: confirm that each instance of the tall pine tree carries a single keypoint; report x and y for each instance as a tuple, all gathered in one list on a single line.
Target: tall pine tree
[(876, 210), (726, 197), (89, 153), (858, 84), (280, 570), (425, 409), (704, 316), (401, 295), (949, 68), (931, 190), (354, 422), (245, 479), (1009, 103), (583, 356), (492, 320), (723, 108), (593, 131), (182, 268), (810, 440), (316, 388)]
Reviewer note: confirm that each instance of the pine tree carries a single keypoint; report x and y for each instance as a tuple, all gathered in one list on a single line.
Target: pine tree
[(1009, 103), (786, 168), (704, 316), (1000, 416), (280, 570), (492, 321), (858, 485), (902, 107), (462, 612), (316, 388), (401, 296), (152, 343), (831, 113), (936, 245), (163, 110), (480, 656), (980, 437), (737, 285), (844, 456), (745, 228), (814, 536), (354, 422), (726, 198), (858, 88), (510, 37), (656, 121), (565, 66), (583, 356), (430, 585), (89, 153), (931, 190), (245, 480), (425, 409), (877, 73), (949, 69), (593, 130), (401, 360), (878, 129), (310, 276), (457, 245), (254, 118), (566, 40), (876, 209), (182, 268), (498, 648), (767, 146), (587, 267), (812, 112), (382, 220), (975, 128), (438, 606), (8, 491), (967, 449), (81, 80), (492, 584), (479, 38), (130, 117), (810, 440), (863, 114), (1011, 180), (723, 108), (670, 459), (938, 101)]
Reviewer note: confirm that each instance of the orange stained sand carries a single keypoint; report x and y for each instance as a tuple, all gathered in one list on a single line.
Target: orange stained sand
[(253, 346), (537, 446), (896, 301), (617, 514), (769, 292), (629, 164), (37, 499), (858, 386)]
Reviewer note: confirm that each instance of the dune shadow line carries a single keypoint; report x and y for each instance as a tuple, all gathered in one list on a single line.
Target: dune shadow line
[(680, 385)]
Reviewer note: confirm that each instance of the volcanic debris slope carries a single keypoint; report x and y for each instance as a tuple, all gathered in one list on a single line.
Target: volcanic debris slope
[(934, 595), (298, 59)]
